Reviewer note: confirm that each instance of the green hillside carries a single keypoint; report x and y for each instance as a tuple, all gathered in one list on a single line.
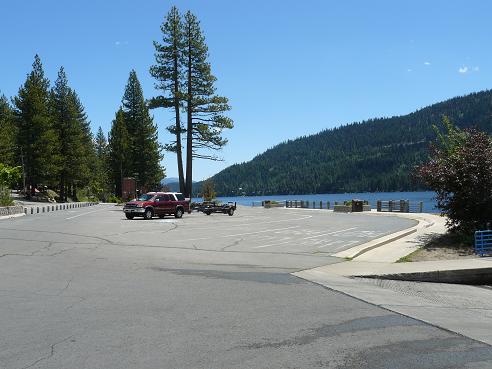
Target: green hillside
[(374, 155)]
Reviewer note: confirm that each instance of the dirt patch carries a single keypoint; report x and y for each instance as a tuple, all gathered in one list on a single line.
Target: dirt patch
[(443, 247)]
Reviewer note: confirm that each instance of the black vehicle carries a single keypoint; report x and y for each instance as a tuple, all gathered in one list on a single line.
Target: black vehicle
[(209, 207)]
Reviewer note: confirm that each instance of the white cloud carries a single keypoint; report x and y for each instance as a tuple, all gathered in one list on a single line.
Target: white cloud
[(466, 69), (427, 63), (409, 70), (120, 43)]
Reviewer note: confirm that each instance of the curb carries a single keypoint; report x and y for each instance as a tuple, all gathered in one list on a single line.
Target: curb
[(3, 217), (475, 276), (371, 245)]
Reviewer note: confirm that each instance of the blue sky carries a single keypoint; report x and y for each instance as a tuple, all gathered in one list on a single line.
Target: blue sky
[(289, 68)]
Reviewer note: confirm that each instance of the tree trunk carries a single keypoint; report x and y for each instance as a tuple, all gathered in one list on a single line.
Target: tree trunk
[(189, 132), (179, 153), (62, 188)]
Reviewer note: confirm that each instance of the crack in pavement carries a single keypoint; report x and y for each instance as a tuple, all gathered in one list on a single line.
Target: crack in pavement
[(66, 287), (51, 353), (63, 233), (235, 243), (175, 226), (310, 254)]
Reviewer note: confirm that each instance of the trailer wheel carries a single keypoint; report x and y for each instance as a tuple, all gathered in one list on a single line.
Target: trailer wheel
[(231, 212), (207, 212)]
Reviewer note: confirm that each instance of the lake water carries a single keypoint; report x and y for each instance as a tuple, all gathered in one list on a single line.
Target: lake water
[(428, 198)]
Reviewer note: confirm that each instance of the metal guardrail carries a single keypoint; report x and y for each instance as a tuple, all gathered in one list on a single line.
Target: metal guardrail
[(483, 243), (400, 206), (46, 208)]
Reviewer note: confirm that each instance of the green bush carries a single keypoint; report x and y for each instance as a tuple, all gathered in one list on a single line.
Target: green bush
[(5, 199), (460, 172), (114, 199)]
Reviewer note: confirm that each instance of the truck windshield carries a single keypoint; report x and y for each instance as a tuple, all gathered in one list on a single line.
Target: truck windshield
[(145, 197)]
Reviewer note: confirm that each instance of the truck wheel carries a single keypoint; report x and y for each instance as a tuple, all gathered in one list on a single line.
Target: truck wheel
[(129, 216), (231, 212), (148, 214), (179, 213), (207, 212)]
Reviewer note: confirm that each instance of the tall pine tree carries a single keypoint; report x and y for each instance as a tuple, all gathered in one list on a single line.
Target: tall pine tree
[(8, 147), (101, 176), (75, 145), (101, 144), (144, 149), (168, 73), (36, 137), (204, 109), (119, 151), (87, 160)]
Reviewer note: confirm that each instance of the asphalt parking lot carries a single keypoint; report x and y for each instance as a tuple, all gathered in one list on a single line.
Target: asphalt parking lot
[(87, 288)]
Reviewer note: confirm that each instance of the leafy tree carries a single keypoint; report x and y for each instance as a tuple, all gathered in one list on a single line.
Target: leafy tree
[(145, 151), (460, 171), (168, 73), (118, 149), (8, 176), (7, 133), (208, 191), (36, 136), (204, 109)]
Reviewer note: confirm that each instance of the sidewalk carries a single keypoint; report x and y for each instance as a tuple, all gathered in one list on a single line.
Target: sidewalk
[(373, 276)]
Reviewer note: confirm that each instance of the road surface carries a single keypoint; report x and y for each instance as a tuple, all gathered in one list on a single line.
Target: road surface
[(87, 288)]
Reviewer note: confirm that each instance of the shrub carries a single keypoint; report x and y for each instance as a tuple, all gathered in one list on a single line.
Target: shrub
[(208, 191), (460, 171), (114, 199), (8, 176)]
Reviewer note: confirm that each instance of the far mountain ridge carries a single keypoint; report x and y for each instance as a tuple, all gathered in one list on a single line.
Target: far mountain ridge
[(374, 155)]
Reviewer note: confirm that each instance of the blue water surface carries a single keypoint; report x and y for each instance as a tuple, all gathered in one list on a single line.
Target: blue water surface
[(428, 198)]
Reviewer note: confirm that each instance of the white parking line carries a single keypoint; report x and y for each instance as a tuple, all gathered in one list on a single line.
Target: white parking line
[(253, 224), (90, 212), (241, 234), (329, 233)]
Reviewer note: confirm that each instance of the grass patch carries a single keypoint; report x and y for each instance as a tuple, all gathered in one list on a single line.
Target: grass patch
[(408, 258), (446, 246)]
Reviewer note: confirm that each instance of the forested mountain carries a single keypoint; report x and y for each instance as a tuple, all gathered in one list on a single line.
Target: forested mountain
[(373, 155)]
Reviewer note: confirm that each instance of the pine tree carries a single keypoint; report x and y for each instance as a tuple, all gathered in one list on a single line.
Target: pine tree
[(8, 148), (204, 109), (36, 136), (118, 151), (144, 149), (76, 149), (65, 125), (101, 144), (87, 160), (168, 73), (101, 178)]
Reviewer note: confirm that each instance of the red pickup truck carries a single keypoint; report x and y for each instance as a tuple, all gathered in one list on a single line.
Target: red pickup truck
[(157, 204)]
